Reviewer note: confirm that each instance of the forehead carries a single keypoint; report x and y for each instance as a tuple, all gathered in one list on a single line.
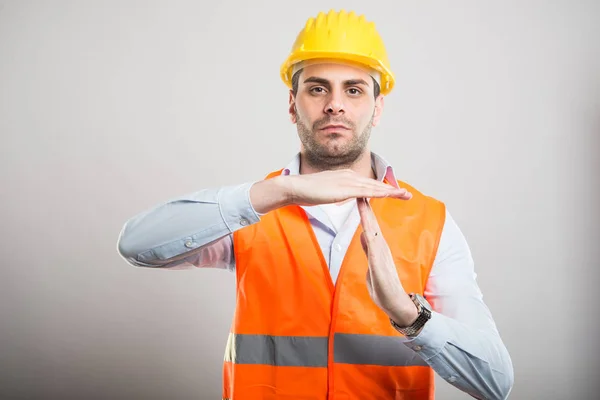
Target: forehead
[(334, 72)]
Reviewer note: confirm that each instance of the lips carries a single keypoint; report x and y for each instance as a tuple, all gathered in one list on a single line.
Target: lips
[(330, 127)]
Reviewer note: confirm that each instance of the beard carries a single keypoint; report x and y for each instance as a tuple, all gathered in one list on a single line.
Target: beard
[(333, 154)]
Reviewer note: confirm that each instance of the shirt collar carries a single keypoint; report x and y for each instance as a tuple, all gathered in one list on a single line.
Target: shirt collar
[(383, 169)]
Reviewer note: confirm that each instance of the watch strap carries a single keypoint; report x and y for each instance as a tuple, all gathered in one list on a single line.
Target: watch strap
[(422, 318)]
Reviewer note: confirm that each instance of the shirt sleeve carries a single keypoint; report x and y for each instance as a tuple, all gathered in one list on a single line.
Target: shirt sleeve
[(191, 231), (461, 341)]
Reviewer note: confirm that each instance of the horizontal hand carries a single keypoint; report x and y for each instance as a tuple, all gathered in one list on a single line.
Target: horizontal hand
[(319, 188)]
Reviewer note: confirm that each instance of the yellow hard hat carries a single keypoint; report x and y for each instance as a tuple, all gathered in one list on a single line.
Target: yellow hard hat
[(343, 37)]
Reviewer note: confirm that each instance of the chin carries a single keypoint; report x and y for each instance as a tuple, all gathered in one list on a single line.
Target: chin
[(339, 154)]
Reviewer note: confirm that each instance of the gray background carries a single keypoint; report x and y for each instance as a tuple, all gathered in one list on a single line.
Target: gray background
[(108, 108)]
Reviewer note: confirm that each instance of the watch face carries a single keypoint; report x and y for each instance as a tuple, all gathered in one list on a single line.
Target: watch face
[(424, 303)]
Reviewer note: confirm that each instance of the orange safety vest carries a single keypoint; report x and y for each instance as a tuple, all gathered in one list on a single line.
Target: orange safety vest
[(297, 335)]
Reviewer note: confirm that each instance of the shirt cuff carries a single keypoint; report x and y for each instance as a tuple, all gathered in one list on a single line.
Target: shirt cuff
[(432, 339), (236, 208)]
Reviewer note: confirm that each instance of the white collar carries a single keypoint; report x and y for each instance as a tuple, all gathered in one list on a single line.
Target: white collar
[(383, 169)]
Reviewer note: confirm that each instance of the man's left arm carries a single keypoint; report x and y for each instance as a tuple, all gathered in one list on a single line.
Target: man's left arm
[(461, 341)]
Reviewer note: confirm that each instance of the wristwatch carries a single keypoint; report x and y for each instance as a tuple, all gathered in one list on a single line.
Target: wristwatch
[(424, 310)]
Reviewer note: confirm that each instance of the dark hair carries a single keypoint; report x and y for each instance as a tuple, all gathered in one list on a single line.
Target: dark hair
[(296, 77)]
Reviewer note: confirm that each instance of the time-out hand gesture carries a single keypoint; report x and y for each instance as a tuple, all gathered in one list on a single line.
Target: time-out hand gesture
[(383, 282)]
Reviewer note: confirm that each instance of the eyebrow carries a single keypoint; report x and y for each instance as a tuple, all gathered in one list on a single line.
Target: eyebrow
[(348, 82)]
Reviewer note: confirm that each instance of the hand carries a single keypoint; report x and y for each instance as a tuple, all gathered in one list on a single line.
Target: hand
[(335, 186), (383, 282), (318, 188)]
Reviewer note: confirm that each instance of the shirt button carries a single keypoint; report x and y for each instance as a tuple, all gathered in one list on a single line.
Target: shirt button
[(338, 247), (189, 244), (418, 348), (243, 221)]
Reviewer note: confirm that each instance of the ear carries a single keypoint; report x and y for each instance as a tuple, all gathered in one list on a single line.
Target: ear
[(378, 109), (292, 108)]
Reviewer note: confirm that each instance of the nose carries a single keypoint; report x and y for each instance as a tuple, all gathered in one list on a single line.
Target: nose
[(334, 105)]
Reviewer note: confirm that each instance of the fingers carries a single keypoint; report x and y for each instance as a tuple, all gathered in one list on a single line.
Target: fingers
[(381, 192), (368, 219), (374, 188), (402, 194), (362, 186), (363, 211), (364, 244)]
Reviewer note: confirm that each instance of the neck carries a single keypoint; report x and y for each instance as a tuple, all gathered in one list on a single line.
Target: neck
[(361, 166)]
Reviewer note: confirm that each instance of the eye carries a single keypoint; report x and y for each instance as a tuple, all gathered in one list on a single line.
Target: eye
[(354, 91), (317, 89)]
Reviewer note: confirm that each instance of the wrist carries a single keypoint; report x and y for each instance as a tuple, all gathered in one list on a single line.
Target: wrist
[(270, 194), (405, 316), (414, 327)]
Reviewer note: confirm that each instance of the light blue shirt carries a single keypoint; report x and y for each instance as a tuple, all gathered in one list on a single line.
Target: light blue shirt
[(460, 342)]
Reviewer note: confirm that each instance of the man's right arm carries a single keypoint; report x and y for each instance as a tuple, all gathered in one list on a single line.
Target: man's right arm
[(189, 231), (195, 230)]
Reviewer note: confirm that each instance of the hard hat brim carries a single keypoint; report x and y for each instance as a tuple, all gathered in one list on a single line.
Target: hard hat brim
[(387, 77)]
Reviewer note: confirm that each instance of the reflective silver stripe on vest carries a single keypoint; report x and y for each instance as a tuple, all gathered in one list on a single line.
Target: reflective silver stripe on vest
[(285, 351), (374, 350), (309, 351)]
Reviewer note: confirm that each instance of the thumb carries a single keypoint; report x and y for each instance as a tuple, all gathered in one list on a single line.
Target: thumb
[(363, 242)]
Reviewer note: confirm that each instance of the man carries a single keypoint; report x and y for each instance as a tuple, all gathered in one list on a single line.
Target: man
[(333, 255)]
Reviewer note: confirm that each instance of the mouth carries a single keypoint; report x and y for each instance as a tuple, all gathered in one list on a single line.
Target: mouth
[(334, 128)]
